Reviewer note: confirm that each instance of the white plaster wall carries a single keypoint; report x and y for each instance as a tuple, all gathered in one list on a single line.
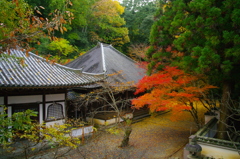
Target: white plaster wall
[(9, 110), (111, 121), (24, 99), (54, 97), (104, 122), (207, 118), (58, 122), (83, 130), (217, 152), (1, 100)]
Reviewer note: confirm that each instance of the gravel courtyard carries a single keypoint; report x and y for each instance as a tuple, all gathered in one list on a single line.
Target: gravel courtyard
[(153, 138)]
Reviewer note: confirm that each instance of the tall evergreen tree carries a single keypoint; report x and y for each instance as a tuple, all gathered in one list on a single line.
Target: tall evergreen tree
[(139, 19), (200, 36)]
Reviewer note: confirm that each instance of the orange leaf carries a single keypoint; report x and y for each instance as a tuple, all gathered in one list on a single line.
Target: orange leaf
[(27, 53), (64, 28), (41, 18), (61, 30), (170, 88)]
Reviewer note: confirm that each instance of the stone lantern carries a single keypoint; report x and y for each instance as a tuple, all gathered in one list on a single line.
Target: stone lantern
[(194, 149)]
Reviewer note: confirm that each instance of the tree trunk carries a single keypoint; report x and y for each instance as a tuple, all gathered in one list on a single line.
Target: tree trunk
[(125, 140), (224, 110), (194, 113)]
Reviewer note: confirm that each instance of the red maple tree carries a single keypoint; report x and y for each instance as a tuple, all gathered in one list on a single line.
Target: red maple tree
[(171, 89)]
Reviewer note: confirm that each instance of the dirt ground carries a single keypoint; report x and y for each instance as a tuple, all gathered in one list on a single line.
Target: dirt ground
[(153, 138)]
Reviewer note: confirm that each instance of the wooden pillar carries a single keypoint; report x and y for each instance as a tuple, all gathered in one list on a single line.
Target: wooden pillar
[(65, 104), (44, 105)]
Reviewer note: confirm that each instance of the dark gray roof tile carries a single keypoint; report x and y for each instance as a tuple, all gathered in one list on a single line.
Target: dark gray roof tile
[(37, 72), (105, 56)]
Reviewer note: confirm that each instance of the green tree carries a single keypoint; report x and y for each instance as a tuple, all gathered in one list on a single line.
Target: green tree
[(61, 48), (78, 31), (139, 16), (21, 126), (106, 24), (199, 36), (74, 31), (11, 125), (22, 24), (94, 20), (14, 22)]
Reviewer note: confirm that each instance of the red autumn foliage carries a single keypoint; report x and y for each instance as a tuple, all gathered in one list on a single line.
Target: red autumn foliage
[(171, 88)]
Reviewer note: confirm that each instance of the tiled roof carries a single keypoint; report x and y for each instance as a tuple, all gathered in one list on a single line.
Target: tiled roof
[(105, 58), (38, 73)]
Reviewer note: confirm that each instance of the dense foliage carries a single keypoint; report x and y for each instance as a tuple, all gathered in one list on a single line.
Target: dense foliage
[(171, 89), (199, 36), (33, 24), (94, 21), (20, 121), (21, 126), (22, 25), (139, 16)]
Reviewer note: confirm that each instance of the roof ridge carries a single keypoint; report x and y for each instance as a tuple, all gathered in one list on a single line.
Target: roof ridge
[(103, 59)]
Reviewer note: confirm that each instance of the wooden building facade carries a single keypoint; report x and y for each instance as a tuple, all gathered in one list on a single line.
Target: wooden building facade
[(32, 82)]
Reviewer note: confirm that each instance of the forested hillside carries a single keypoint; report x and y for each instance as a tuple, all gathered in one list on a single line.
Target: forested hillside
[(64, 29)]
